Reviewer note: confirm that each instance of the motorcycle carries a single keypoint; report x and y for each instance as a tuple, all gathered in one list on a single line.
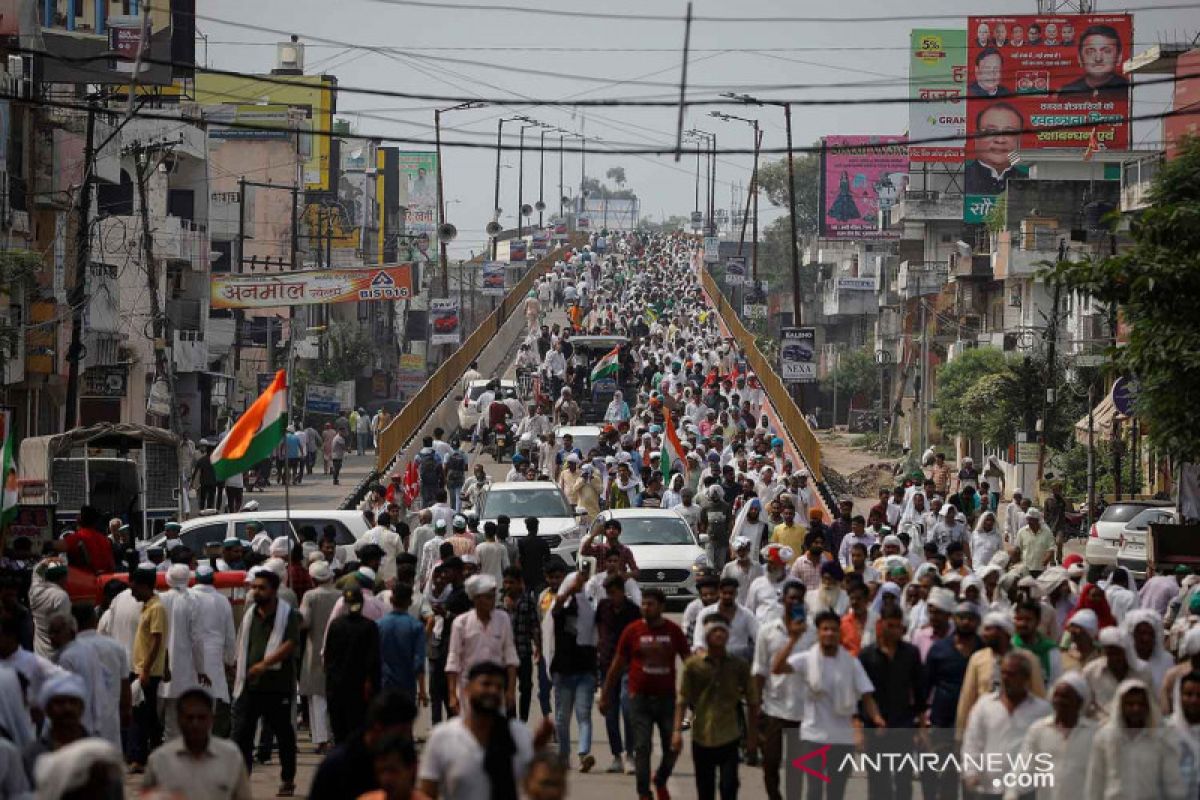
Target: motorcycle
[(501, 442)]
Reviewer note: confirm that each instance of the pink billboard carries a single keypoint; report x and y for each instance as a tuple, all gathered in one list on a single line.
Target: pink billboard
[(861, 175)]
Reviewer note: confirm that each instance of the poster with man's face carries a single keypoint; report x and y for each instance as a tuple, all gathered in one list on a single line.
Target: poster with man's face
[(1039, 82)]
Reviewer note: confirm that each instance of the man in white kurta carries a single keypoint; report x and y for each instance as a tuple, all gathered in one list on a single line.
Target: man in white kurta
[(212, 625), (184, 653), (103, 665)]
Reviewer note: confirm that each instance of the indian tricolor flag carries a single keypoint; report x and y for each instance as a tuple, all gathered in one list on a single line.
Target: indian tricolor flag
[(607, 367), (8, 478), (256, 434), (672, 449)]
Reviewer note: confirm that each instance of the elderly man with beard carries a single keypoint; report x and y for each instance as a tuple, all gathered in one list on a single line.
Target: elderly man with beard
[(983, 669), (482, 634), (1066, 736)]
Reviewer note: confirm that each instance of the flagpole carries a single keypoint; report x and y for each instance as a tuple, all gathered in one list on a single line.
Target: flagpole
[(287, 479)]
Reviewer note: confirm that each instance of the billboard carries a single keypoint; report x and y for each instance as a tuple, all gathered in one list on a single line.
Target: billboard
[(517, 251), (859, 176), (418, 198), (797, 355), (1041, 81), (735, 270), (493, 279), (322, 398), (445, 321), (937, 83), (313, 287)]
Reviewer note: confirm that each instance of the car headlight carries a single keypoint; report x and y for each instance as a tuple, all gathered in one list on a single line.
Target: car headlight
[(700, 563)]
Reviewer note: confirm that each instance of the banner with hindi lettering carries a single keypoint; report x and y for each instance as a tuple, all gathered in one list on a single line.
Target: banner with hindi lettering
[(311, 287)]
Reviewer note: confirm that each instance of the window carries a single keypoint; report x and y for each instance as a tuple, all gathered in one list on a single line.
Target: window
[(275, 527), (344, 536), (202, 535)]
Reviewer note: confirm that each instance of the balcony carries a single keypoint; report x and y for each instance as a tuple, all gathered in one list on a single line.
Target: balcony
[(1137, 176), (1024, 255), (918, 278), (927, 206), (847, 296)]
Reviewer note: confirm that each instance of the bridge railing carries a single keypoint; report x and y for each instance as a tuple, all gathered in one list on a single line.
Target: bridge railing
[(777, 392), (406, 423)]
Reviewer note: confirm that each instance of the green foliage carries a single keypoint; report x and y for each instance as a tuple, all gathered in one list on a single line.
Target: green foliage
[(597, 190), (617, 176), (775, 262), (347, 351), (773, 177), (1070, 466), (994, 221), (954, 380), (856, 374), (1156, 283), (672, 223)]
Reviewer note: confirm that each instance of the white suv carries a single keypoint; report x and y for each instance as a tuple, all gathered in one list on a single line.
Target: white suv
[(558, 523)]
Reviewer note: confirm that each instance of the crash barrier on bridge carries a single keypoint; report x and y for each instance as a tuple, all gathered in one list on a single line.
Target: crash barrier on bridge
[(409, 421), (790, 417)]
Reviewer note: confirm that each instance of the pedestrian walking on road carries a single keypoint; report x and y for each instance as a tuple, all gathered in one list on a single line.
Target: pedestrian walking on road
[(363, 429), (337, 454), (352, 666)]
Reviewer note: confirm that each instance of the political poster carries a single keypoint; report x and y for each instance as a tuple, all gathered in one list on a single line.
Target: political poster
[(937, 85), (861, 175), (517, 251), (493, 278), (445, 321), (312, 287), (735, 270), (418, 199), (1040, 82), (797, 355)]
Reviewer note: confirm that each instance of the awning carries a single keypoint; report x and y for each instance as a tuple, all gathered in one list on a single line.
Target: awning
[(1102, 421)]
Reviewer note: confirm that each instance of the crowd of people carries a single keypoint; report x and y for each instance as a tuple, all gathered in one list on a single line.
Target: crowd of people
[(944, 620)]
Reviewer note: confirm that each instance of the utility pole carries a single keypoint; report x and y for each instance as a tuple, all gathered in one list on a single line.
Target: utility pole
[(796, 304), (541, 202), (164, 350), (441, 204), (923, 398), (561, 196), (238, 314), (83, 256), (1048, 397)]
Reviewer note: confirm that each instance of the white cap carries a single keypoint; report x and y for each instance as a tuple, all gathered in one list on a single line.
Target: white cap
[(280, 547), (997, 620), (1086, 619), (1033, 513), (320, 572), (177, 576), (276, 565), (479, 584)]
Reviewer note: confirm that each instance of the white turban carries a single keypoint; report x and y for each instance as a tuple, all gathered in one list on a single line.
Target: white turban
[(178, 575), (280, 547), (998, 620), (1114, 636), (63, 684), (941, 599), (1086, 619), (480, 584), (276, 565), (1191, 644), (319, 571), (1078, 684)]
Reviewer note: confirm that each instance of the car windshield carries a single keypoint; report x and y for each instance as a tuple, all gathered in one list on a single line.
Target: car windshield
[(1147, 517), (1121, 512), (505, 391), (518, 504), (655, 530)]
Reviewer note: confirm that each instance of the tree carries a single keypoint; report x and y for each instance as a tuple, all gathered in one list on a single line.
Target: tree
[(1156, 284), (671, 223), (954, 379), (595, 189), (773, 178), (348, 351), (617, 176), (856, 374)]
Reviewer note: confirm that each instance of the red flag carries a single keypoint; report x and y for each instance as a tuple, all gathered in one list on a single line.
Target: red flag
[(412, 484)]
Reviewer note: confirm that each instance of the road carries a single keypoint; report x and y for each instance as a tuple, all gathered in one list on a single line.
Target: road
[(318, 491)]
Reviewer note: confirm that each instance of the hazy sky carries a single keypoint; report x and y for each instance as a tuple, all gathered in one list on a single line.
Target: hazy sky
[(733, 57)]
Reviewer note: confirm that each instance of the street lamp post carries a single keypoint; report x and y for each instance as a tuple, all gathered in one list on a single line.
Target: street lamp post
[(495, 224), (709, 178), (441, 196), (787, 116), (753, 186), (521, 175)]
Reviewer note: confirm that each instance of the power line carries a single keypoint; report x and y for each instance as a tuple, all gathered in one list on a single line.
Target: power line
[(202, 122), (529, 101), (630, 17)]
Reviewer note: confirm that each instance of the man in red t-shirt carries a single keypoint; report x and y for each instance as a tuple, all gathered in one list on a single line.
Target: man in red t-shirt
[(87, 547), (648, 648)]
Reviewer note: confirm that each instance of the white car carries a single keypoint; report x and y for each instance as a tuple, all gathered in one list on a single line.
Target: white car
[(584, 437), (203, 532), (558, 524), (1131, 548), (468, 408), (1104, 538), (667, 552)]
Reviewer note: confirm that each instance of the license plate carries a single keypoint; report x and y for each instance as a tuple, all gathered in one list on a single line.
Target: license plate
[(668, 589)]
